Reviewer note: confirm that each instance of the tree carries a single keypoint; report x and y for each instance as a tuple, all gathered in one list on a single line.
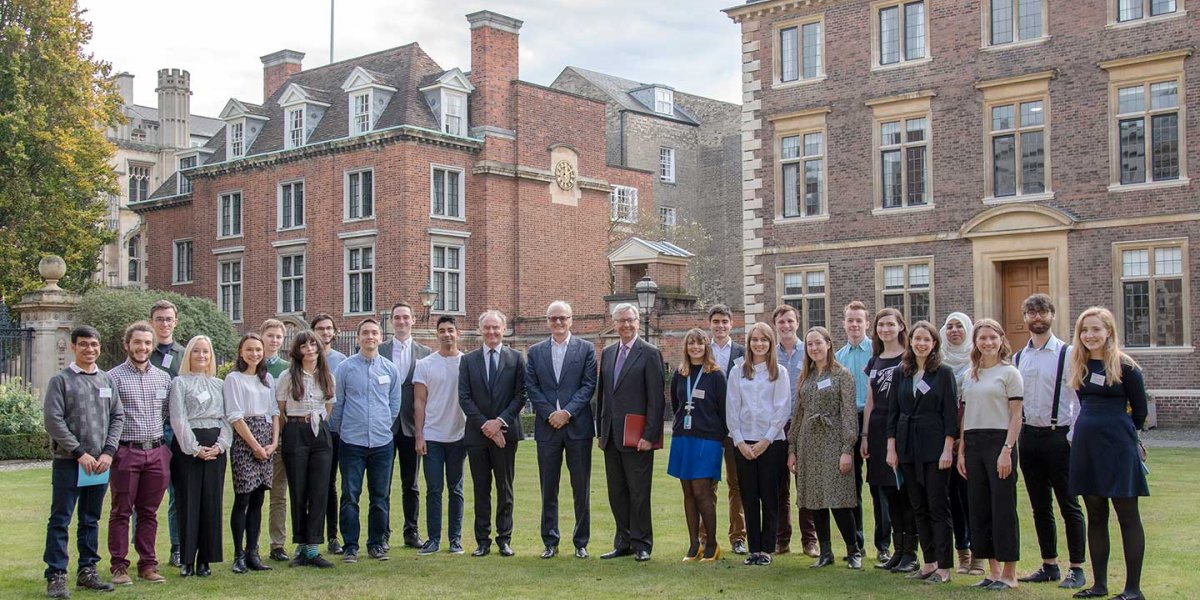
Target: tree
[(55, 103)]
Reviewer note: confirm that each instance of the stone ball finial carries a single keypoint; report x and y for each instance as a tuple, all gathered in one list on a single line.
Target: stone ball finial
[(52, 268)]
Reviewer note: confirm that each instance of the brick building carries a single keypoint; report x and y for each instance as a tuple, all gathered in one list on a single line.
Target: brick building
[(357, 184), (959, 155)]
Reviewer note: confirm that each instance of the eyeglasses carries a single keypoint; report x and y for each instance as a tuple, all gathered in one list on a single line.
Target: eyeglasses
[(164, 320), (627, 321), (558, 319), (1037, 313)]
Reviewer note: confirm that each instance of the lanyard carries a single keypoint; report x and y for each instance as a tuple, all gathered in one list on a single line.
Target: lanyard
[(691, 385)]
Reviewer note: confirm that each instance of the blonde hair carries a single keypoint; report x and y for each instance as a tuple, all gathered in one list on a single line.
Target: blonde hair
[(709, 362), (810, 365), (186, 367), (772, 360), (1005, 351), (1113, 357)]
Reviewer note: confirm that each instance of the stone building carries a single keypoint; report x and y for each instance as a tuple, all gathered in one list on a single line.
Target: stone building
[(959, 155), (355, 185), (693, 143), (148, 149)]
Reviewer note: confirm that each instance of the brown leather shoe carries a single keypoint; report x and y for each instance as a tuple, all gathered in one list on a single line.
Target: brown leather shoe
[(811, 550), (151, 576), (120, 576), (964, 562)]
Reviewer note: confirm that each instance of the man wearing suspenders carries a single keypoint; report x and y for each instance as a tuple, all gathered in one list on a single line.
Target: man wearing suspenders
[(1050, 407)]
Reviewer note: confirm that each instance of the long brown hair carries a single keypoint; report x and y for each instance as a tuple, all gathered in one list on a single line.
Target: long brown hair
[(772, 357), (933, 361), (1113, 357), (260, 370), (902, 336), (296, 370), (976, 355), (696, 334), (810, 365)]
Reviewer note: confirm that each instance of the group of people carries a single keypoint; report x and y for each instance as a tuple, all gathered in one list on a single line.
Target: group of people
[(931, 419)]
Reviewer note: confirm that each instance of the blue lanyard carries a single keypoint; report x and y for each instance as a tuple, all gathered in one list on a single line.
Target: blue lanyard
[(691, 385)]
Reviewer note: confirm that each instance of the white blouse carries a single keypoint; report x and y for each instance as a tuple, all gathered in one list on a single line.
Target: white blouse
[(246, 396), (757, 409)]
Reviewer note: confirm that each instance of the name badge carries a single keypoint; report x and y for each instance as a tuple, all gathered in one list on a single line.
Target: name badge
[(874, 372), (823, 384), (203, 396), (1097, 378), (687, 422), (167, 360), (698, 394), (160, 394), (106, 392), (385, 379), (923, 387)]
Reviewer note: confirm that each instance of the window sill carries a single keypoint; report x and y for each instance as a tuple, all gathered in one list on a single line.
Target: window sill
[(902, 210), (1019, 198), (294, 313), (801, 220), (1015, 45), (667, 181), (181, 283), (1159, 350), (453, 313), (1145, 20), (1153, 185), (287, 229), (358, 314), (358, 219), (446, 218), (875, 68), (228, 237), (784, 85)]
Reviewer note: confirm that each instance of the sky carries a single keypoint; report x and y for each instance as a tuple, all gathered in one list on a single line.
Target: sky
[(687, 44)]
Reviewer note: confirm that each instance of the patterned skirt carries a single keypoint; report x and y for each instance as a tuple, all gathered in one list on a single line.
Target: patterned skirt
[(248, 472)]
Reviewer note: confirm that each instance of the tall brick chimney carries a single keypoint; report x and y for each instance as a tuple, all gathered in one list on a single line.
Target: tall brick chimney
[(494, 66), (277, 67), (174, 108)]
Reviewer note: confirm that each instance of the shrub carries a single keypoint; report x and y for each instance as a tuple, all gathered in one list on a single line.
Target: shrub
[(112, 310), (20, 411), (25, 446), (224, 369)]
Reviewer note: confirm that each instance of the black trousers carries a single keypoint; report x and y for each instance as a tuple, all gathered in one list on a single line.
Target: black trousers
[(628, 475), (307, 459), (331, 496), (959, 510), (199, 489), (928, 490), (1045, 463), (846, 525), (995, 530), (410, 490), (761, 479), (882, 533), (490, 462), (579, 466)]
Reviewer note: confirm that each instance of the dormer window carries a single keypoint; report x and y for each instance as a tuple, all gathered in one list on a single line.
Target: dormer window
[(664, 101), (295, 128), (302, 110), (186, 162), (243, 122), (360, 114), (237, 139), (446, 93), (368, 96), (454, 118)]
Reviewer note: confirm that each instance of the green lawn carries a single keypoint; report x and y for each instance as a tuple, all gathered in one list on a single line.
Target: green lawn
[(1171, 516)]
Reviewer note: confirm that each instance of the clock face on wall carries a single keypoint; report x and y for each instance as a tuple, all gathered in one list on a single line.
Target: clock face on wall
[(564, 175)]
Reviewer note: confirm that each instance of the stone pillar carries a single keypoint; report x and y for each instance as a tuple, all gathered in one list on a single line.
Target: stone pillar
[(50, 312)]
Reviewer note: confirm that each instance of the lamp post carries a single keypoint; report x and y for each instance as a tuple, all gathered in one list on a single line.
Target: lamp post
[(428, 296), (647, 292)]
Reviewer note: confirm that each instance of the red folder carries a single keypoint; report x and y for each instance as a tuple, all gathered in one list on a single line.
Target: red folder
[(635, 426)]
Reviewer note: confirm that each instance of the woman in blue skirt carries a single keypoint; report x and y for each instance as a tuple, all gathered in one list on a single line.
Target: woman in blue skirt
[(1106, 454), (697, 433)]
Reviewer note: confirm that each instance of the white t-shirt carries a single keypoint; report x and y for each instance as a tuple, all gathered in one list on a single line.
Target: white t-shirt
[(985, 401), (444, 418)]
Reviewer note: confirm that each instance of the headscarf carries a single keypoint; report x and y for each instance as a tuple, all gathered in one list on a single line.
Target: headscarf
[(957, 357)]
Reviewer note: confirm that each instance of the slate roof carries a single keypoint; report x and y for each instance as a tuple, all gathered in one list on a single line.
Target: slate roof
[(167, 189), (619, 88), (205, 126)]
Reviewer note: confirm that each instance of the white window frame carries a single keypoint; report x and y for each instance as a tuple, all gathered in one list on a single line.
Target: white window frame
[(1146, 115), (800, 52), (1016, 131), (348, 199), (802, 161), (354, 115), (178, 256), (666, 164), (988, 24), (235, 310), (1147, 71), (623, 204), (667, 218), (1119, 280), (135, 266), (139, 174), (447, 114), (1114, 13), (281, 214), (446, 173), (903, 147), (234, 219), (906, 264), (805, 296), (352, 245), (294, 136), (902, 34), (183, 184), (664, 101), (236, 141), (290, 277), (445, 272)]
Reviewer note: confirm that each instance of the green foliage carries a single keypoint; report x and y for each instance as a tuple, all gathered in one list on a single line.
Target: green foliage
[(224, 369), (20, 411), (112, 310), (55, 175), (25, 446)]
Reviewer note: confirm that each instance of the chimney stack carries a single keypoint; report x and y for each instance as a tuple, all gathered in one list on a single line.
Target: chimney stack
[(494, 67), (125, 87), (277, 67), (174, 108)]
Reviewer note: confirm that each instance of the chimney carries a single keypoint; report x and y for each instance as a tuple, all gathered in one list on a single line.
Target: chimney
[(125, 87), (277, 67), (494, 66), (174, 108)]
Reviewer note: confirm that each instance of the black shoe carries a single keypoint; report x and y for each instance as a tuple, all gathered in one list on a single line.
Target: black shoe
[(482, 550), (919, 575), (616, 553), (855, 561), (203, 570), (175, 560), (550, 552), (764, 560), (908, 564), (334, 547), (186, 571), (239, 563), (984, 583), (319, 562), (883, 556), (377, 553), (413, 540), (739, 547), (89, 579), (891, 561), (1092, 592), (1074, 579), (56, 586), (505, 549), (641, 556), (298, 561), (279, 555), (455, 547), (581, 553), (254, 562), (1128, 596), (1047, 572), (998, 586), (823, 560), (350, 556)]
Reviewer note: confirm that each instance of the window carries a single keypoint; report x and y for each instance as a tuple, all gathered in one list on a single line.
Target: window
[(624, 202), (664, 101), (901, 31), (1132, 10), (447, 275), (907, 286), (133, 249), (237, 139), (295, 127), (360, 113), (1148, 140), (455, 114), (803, 165), (139, 182), (1018, 149), (360, 195), (230, 207), (291, 283), (903, 162), (805, 289), (1008, 21), (666, 165), (185, 184), (1153, 292), (666, 218), (800, 52), (229, 288), (447, 193), (360, 279), (291, 205), (181, 260)]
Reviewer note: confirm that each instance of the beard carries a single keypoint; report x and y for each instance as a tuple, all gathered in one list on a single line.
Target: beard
[(1039, 327)]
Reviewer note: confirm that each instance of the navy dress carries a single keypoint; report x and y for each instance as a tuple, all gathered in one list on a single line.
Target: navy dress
[(1104, 444)]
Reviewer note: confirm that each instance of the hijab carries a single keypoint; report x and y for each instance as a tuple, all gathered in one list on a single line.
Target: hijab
[(957, 357)]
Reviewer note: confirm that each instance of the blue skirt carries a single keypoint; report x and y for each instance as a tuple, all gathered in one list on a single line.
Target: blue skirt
[(695, 458)]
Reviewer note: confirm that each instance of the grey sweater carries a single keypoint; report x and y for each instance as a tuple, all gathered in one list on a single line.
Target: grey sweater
[(82, 413)]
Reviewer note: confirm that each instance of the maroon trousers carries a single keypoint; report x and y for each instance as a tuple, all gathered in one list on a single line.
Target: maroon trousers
[(138, 480)]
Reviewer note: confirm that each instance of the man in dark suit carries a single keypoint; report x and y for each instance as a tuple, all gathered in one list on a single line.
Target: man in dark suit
[(631, 383), (405, 352), (491, 391), (560, 378), (726, 352)]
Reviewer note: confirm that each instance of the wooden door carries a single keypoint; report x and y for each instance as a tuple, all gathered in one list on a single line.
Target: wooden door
[(1019, 279)]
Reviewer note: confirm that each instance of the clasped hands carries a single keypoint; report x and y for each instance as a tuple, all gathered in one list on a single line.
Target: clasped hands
[(92, 465), (559, 418), (755, 451), (494, 430)]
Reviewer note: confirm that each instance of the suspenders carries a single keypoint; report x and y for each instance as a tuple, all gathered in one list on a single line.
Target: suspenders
[(1062, 359)]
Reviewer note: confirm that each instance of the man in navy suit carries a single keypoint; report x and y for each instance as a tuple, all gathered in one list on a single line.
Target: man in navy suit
[(491, 391), (631, 383), (726, 352), (560, 377)]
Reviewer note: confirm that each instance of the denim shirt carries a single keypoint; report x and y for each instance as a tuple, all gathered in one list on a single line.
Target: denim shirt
[(368, 401), (855, 358), (794, 363)]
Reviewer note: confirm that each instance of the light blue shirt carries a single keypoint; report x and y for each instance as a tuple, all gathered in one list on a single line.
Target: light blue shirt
[(333, 358), (855, 359), (368, 401), (794, 363)]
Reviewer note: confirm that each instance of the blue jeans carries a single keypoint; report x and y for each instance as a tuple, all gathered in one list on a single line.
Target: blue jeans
[(443, 464), (64, 495), (377, 463)]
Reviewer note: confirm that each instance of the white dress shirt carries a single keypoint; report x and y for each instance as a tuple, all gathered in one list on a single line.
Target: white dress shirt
[(1038, 367), (757, 409), (401, 355), (558, 355), (721, 354)]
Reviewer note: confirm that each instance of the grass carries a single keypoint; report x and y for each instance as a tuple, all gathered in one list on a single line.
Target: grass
[(1171, 517)]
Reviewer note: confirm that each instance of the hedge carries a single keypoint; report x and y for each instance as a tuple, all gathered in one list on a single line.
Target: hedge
[(25, 446)]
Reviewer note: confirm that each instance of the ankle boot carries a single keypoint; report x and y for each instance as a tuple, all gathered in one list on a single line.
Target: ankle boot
[(891, 562), (964, 562), (254, 562), (239, 562)]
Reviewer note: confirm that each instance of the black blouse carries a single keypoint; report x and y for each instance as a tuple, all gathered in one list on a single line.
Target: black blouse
[(920, 421), (708, 413)]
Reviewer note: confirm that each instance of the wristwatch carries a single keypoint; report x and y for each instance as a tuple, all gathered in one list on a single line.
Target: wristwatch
[(1008, 446)]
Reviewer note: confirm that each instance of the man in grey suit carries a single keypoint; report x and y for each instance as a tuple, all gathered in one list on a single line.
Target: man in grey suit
[(726, 352), (631, 383), (405, 352), (491, 392), (560, 377)]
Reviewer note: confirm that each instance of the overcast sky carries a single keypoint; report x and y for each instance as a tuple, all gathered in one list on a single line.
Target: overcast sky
[(687, 44)]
